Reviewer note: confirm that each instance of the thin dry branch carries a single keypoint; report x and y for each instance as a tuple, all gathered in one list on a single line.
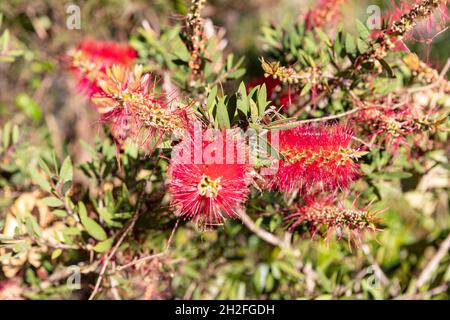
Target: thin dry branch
[(431, 267), (267, 236), (112, 252), (152, 256)]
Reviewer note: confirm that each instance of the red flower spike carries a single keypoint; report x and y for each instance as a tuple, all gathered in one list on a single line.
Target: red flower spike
[(316, 159), (323, 215), (128, 102), (425, 30), (90, 59), (326, 12), (211, 191)]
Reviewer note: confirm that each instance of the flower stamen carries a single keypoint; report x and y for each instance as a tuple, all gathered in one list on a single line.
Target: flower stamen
[(208, 187)]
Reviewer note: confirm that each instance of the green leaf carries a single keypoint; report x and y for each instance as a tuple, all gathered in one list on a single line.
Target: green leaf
[(211, 100), (52, 202), (6, 135), (260, 277), (44, 167), (104, 245), (362, 46), (92, 227), (60, 213), (15, 134), (350, 45), (392, 175), (262, 99), (56, 254), (363, 32), (253, 111), (236, 74), (178, 48), (222, 118), (4, 41), (33, 227), (323, 36), (43, 183), (242, 101), (66, 173), (306, 89), (29, 107)]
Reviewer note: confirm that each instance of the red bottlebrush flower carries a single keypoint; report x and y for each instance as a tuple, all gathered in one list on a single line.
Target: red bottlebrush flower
[(90, 59), (433, 24), (419, 20), (322, 215), (214, 189), (128, 102), (325, 12), (389, 122), (316, 158)]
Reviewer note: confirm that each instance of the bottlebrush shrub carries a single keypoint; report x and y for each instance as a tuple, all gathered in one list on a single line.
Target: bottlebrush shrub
[(312, 158), (332, 122), (322, 215)]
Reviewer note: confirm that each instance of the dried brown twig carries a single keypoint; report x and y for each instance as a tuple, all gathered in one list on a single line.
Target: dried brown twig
[(432, 265)]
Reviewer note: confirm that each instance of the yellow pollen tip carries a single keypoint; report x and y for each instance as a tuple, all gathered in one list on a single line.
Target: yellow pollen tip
[(209, 188)]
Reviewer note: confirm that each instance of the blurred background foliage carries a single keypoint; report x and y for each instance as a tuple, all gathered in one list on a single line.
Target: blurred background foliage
[(43, 121)]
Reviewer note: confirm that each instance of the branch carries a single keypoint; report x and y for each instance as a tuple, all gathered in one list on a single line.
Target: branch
[(294, 124), (431, 267), (153, 256), (112, 252), (267, 236)]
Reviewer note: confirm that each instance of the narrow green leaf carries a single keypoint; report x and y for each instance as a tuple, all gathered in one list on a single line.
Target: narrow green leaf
[(253, 111), (104, 245), (92, 227), (350, 45), (43, 183), (56, 254), (262, 99), (66, 173), (52, 202), (211, 100), (32, 225), (222, 118), (362, 46), (242, 101), (6, 135), (60, 213), (44, 167), (306, 89), (29, 107), (5, 41), (392, 175), (15, 134), (323, 36), (236, 74), (363, 32)]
